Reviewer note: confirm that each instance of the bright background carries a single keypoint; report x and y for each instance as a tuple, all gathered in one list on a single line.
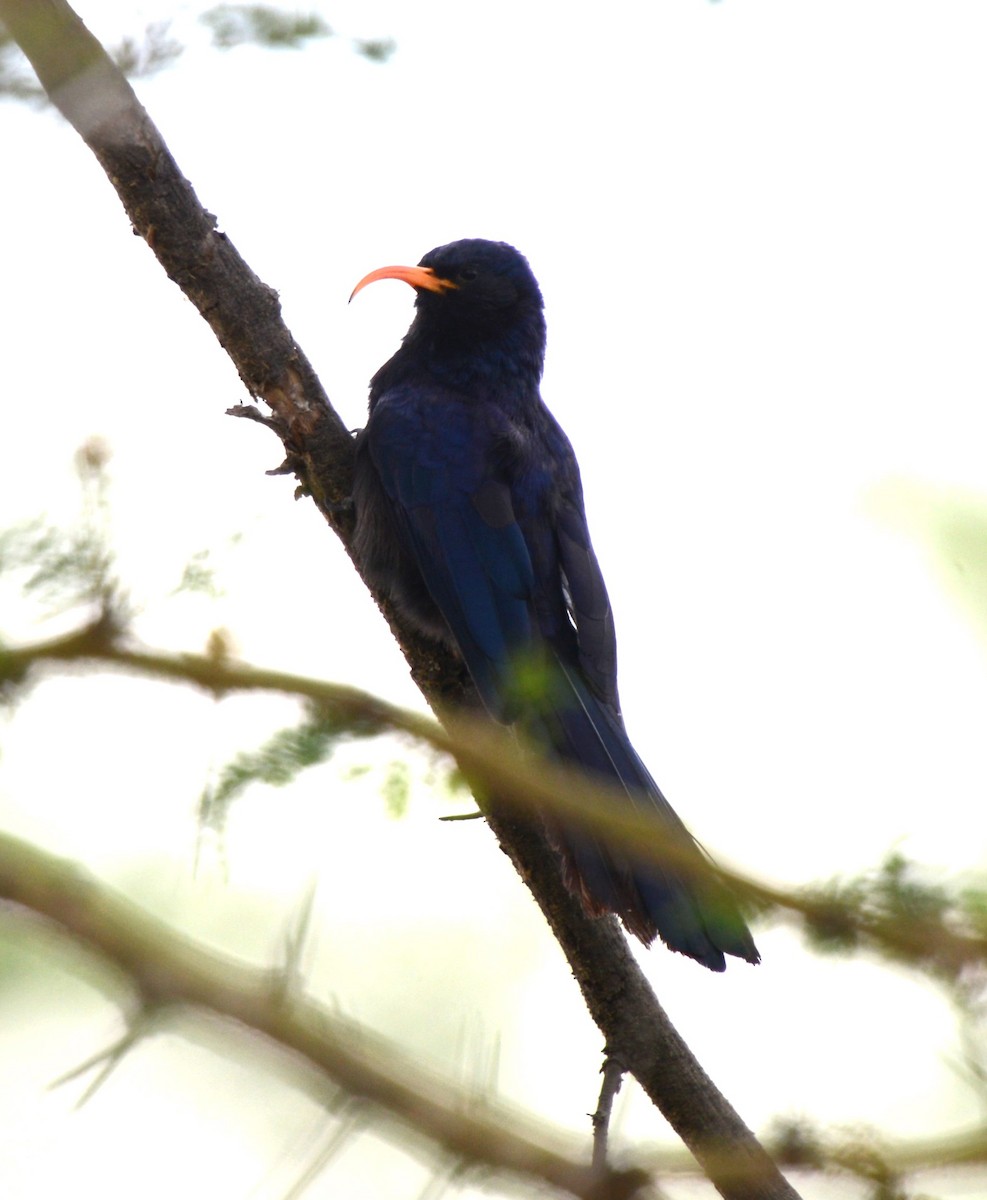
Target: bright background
[(759, 228)]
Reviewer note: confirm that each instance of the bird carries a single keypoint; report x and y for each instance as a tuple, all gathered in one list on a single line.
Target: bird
[(469, 516)]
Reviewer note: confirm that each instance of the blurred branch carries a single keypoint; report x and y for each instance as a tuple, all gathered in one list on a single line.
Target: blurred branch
[(613, 1076), (169, 972), (230, 25), (868, 1158), (244, 314), (924, 928), (136, 57)]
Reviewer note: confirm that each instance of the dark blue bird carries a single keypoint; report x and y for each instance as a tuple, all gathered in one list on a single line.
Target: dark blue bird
[(470, 517)]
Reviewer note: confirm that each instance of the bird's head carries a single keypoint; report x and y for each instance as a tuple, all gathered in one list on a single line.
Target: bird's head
[(472, 296)]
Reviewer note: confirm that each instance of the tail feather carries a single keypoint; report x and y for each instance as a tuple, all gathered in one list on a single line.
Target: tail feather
[(690, 910)]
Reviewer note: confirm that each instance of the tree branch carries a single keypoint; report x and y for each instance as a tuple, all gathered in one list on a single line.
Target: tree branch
[(613, 1075), (492, 756), (168, 972), (245, 316)]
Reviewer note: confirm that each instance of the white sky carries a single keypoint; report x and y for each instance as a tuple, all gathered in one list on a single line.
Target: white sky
[(759, 230)]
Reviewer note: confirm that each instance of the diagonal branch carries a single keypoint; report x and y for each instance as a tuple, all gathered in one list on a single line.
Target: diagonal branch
[(245, 316), (169, 972), (943, 942)]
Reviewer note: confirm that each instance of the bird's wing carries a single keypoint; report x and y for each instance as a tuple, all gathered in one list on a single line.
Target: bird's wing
[(589, 604), (437, 461), (497, 566)]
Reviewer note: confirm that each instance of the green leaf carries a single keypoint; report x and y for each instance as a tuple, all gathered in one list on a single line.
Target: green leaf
[(259, 24), (277, 763)]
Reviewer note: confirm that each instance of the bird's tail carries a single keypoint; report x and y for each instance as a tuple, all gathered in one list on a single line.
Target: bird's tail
[(683, 902)]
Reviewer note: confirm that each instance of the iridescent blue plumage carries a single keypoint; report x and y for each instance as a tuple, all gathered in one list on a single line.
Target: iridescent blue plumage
[(470, 516)]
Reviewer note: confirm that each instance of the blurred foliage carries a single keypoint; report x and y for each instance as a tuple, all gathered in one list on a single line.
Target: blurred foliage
[(67, 568), (138, 57), (951, 524), (376, 49), (935, 927), (199, 576), (900, 910), (858, 1153), (397, 788), (74, 567), (277, 763), (894, 892), (262, 25), (59, 567), (16, 81), (312, 743), (155, 48)]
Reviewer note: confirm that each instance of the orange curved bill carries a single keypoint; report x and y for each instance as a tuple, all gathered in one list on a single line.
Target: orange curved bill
[(418, 277)]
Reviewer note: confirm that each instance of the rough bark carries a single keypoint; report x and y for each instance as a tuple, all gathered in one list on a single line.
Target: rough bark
[(244, 314)]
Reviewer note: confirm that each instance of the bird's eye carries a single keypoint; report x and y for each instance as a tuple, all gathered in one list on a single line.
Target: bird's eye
[(468, 274)]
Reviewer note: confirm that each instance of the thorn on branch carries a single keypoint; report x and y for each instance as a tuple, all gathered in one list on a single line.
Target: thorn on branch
[(613, 1075), (252, 413), (291, 466), (294, 463), (106, 1060)]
